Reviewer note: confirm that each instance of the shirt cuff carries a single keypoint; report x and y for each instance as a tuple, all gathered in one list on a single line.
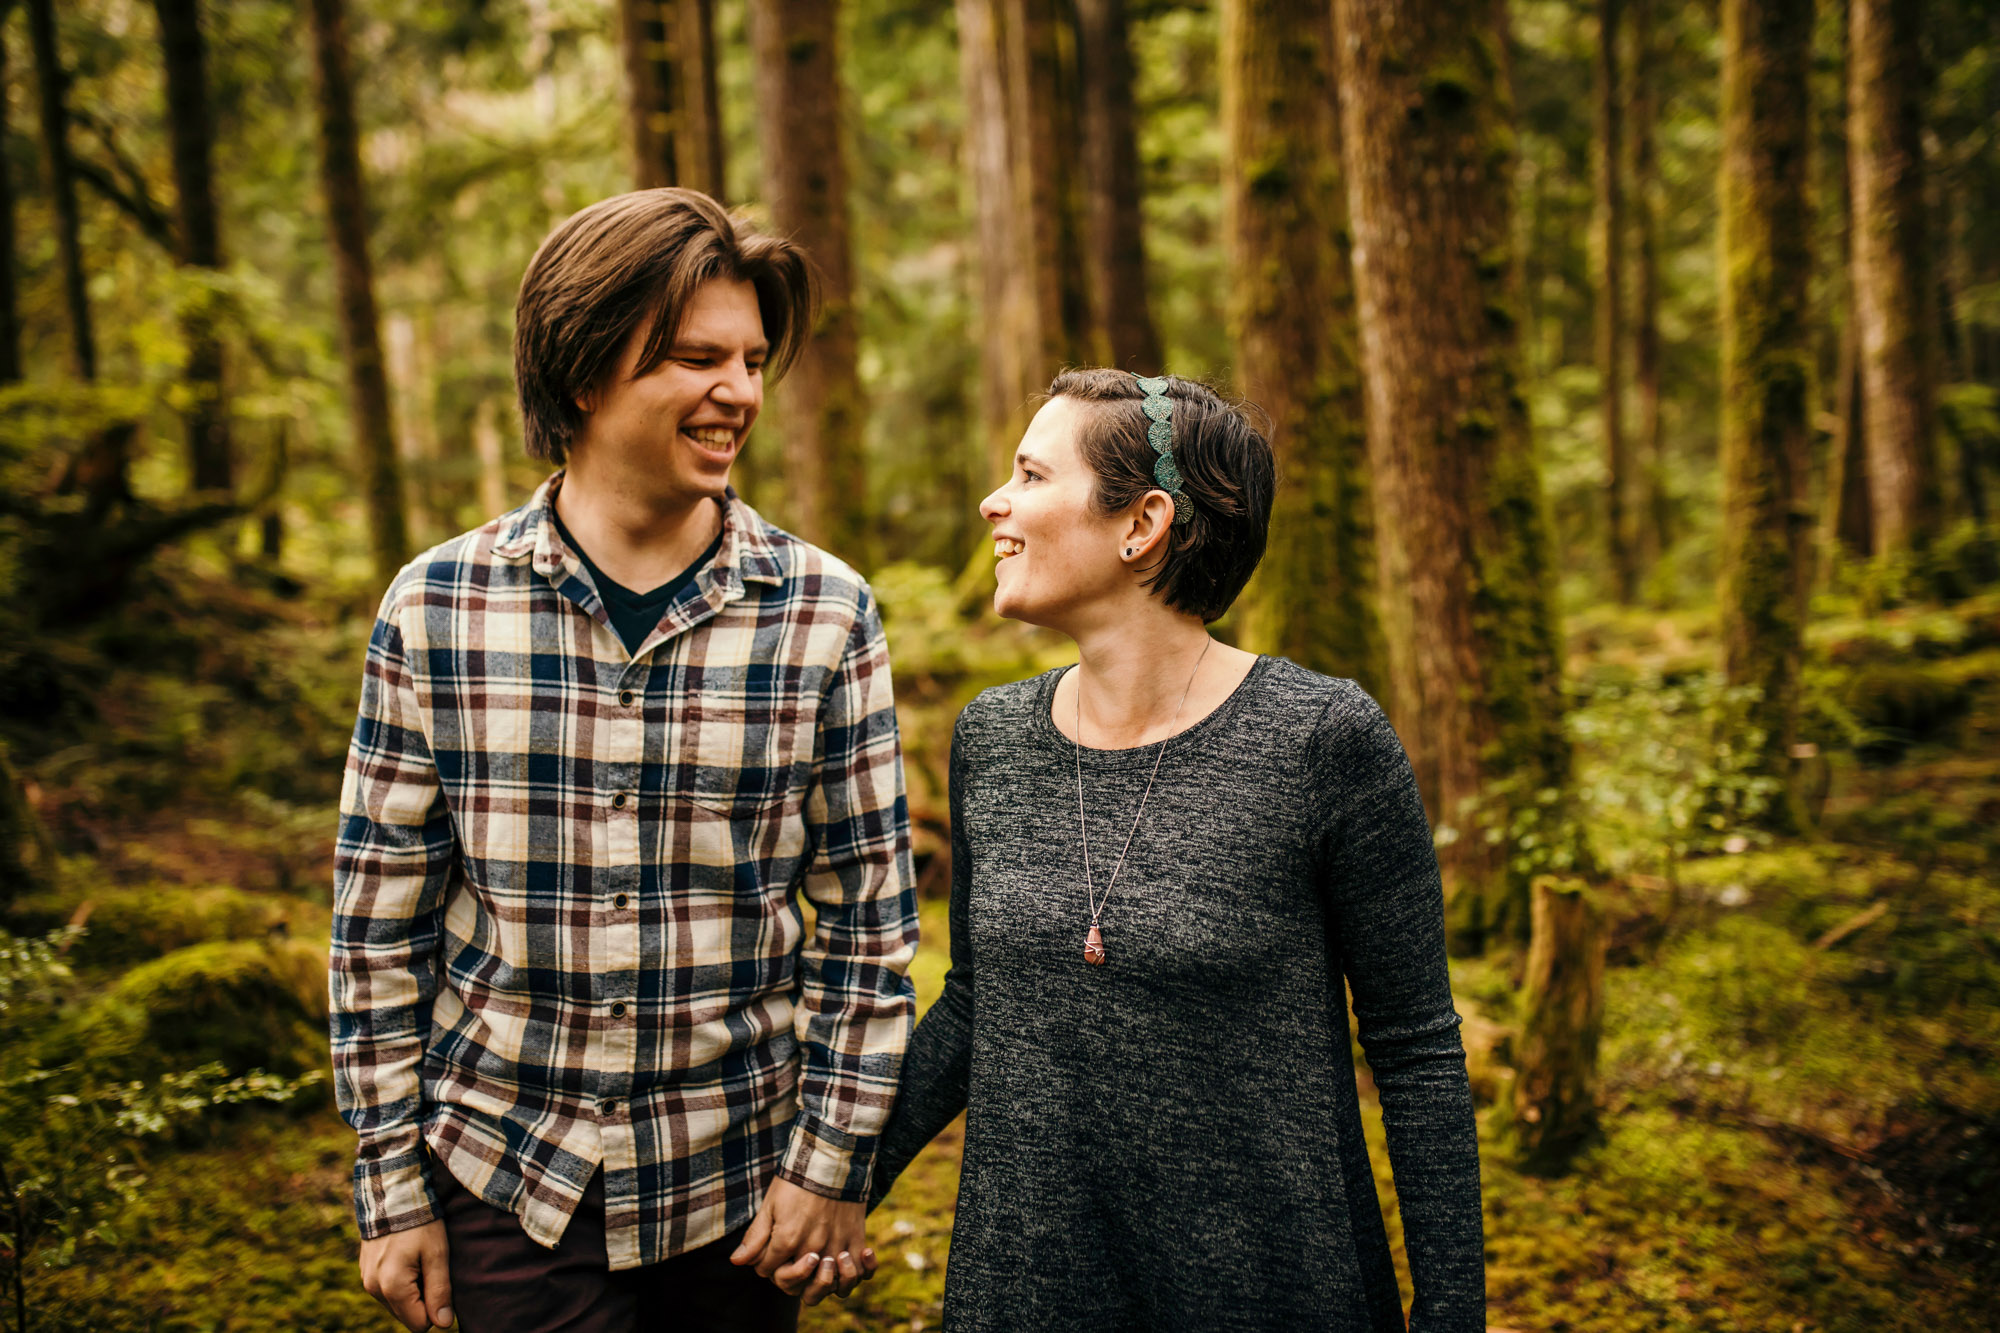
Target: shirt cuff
[(828, 1161), (393, 1194)]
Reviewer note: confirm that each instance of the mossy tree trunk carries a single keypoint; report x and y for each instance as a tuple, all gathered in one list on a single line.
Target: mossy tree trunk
[(1892, 270), (1608, 246), (354, 282), (1292, 324), (52, 85), (1642, 130), (1767, 359), (1116, 265), (191, 129), (1463, 552), (10, 306), (805, 181), (1555, 1092)]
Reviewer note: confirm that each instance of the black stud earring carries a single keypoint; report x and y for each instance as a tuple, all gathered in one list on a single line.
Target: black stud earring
[(1128, 553)]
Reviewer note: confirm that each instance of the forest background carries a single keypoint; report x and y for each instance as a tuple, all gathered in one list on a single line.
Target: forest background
[(1632, 366)]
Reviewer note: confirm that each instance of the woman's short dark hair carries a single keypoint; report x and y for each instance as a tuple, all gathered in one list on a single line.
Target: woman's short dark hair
[(634, 257), (1226, 471)]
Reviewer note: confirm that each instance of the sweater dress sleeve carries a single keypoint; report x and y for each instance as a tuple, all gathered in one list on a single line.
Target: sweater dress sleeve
[(937, 1069), (1386, 902)]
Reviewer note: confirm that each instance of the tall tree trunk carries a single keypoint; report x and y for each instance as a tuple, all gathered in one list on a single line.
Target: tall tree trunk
[(1033, 310), (1642, 128), (1007, 316), (1474, 654), (1847, 490), (1040, 124), (192, 131), (1766, 364), (10, 305), (1609, 244), (360, 330), (1292, 323), (703, 99), (1117, 250), (805, 179), (670, 93), (1892, 277), (53, 83)]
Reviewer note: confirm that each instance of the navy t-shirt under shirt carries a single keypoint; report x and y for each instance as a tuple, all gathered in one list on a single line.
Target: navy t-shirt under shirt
[(635, 614)]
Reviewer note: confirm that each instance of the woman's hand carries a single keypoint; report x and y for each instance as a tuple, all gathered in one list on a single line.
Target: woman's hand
[(809, 1245)]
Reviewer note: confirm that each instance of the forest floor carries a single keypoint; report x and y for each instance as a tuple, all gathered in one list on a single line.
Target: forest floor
[(1801, 1064)]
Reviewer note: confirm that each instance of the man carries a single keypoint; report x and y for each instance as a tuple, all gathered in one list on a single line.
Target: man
[(578, 1020)]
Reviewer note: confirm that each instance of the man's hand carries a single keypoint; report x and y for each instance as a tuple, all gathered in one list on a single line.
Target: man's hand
[(407, 1271), (808, 1244)]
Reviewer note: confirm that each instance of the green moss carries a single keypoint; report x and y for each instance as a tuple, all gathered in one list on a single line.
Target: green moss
[(249, 1004), (126, 926)]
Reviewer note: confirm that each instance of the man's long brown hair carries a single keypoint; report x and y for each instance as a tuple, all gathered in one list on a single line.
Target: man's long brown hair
[(632, 258)]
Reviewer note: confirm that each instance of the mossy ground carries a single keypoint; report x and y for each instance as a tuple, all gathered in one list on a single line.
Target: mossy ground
[(1801, 1075)]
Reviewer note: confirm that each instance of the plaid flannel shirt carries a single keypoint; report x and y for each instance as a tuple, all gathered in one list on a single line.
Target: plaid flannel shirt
[(564, 930)]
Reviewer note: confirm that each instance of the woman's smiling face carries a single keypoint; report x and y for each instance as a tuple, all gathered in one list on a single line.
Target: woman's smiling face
[(1057, 554)]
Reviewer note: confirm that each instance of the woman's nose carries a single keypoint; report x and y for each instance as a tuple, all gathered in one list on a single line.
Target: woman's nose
[(994, 507)]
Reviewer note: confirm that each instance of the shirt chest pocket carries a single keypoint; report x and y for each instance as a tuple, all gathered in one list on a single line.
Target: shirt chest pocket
[(744, 761)]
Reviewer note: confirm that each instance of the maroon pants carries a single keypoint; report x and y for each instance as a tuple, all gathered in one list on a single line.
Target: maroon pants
[(503, 1282)]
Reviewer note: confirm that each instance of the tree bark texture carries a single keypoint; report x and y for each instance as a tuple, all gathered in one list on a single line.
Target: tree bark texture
[(1642, 130), (1041, 123), (1462, 547), (1847, 488), (1892, 270), (1767, 359), (1033, 310), (805, 179), (704, 170), (52, 83), (354, 282), (1292, 324), (10, 301), (1555, 1093), (1116, 267), (191, 130), (1608, 242), (670, 93)]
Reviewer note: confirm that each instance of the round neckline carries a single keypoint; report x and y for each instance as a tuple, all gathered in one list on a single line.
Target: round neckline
[(1046, 728)]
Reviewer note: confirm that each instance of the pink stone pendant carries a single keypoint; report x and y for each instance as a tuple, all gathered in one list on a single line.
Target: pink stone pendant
[(1093, 948)]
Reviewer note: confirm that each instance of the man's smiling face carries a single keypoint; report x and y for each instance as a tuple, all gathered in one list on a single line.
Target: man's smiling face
[(676, 429)]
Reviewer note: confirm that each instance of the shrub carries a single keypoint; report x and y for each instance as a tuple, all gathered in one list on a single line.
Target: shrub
[(127, 926)]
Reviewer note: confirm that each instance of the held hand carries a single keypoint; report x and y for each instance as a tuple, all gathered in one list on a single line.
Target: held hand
[(808, 1244), (408, 1272)]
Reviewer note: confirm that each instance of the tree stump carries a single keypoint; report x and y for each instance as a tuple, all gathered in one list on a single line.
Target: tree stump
[(1555, 1093)]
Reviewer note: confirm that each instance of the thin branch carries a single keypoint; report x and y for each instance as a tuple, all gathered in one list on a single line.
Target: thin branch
[(140, 208)]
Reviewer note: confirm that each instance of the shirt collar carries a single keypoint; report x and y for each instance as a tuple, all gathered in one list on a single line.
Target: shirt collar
[(745, 556)]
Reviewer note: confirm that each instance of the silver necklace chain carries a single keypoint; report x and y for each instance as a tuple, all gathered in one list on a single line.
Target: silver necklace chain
[(1083, 822)]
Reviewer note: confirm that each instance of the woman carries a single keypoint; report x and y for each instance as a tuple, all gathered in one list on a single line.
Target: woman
[(1163, 862)]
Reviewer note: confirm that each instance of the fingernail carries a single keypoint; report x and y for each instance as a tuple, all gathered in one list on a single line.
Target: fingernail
[(868, 1253), (444, 1317), (813, 1256)]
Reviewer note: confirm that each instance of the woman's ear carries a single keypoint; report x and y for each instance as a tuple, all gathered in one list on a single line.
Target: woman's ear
[(1146, 525)]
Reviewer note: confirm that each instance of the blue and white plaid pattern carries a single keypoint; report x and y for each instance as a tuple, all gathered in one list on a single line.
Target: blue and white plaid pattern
[(565, 930)]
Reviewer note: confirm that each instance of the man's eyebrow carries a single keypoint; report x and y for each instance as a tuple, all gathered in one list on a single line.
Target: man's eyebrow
[(695, 345)]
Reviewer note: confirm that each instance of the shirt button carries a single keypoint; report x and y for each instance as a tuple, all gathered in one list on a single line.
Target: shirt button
[(619, 901), (618, 1010), (625, 698), (618, 801), (609, 1109)]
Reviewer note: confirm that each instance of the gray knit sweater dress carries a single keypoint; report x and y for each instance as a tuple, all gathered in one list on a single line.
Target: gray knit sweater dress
[(1172, 1140)]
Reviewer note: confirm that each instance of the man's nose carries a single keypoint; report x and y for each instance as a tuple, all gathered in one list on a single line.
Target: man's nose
[(734, 387)]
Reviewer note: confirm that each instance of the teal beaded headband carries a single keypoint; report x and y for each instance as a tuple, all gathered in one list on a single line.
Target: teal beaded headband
[(1159, 409)]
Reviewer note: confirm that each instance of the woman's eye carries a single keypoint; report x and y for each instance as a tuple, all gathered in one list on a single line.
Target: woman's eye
[(1029, 475)]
